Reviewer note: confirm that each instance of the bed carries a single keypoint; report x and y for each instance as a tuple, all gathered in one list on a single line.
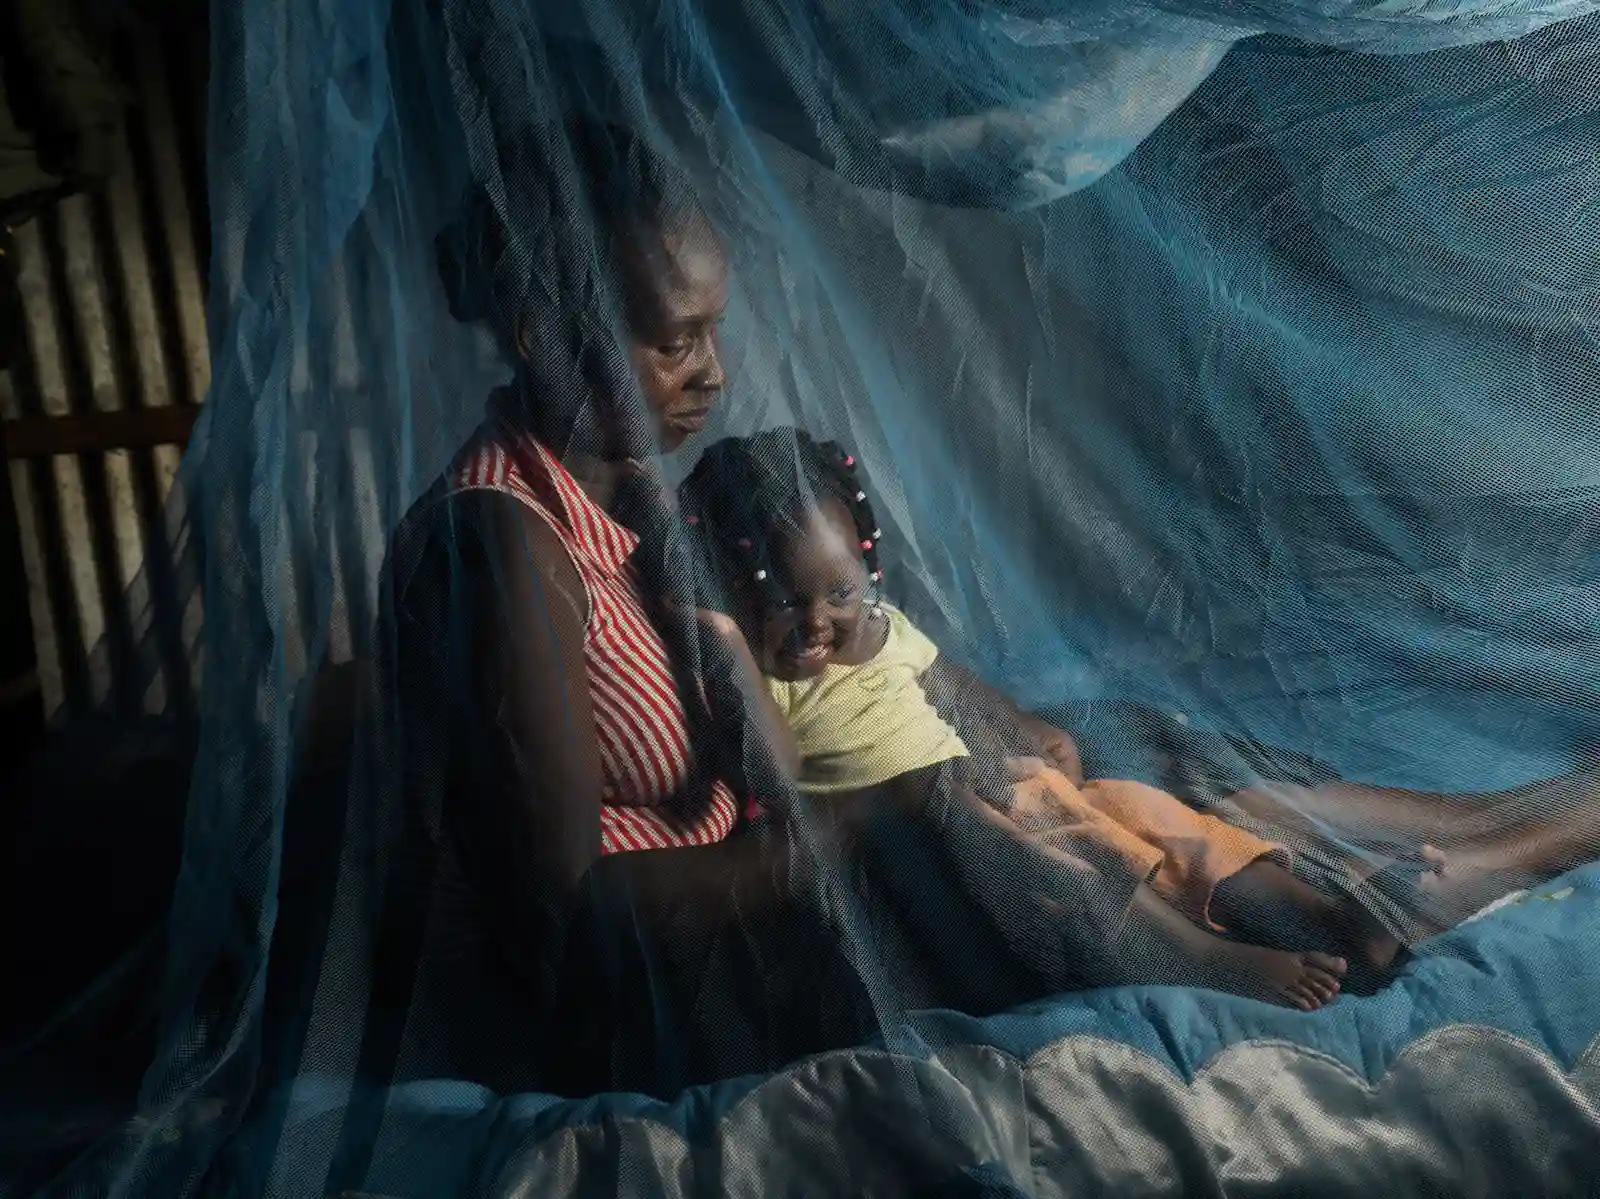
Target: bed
[(1470, 1074)]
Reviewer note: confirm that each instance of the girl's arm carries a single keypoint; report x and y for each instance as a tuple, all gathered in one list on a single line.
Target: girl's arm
[(974, 705)]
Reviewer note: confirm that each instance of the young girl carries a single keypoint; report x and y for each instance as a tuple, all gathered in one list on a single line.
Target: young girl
[(788, 526)]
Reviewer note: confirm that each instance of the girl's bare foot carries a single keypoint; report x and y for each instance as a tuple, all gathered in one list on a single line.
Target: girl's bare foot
[(1298, 980), (1159, 945)]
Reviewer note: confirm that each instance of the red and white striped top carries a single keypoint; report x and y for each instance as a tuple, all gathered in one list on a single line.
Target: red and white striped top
[(639, 719)]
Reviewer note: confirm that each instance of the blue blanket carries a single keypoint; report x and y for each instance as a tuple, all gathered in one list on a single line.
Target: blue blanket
[(1472, 1031)]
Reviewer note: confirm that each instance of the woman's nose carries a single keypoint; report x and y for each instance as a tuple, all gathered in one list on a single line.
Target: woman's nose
[(817, 620), (711, 376)]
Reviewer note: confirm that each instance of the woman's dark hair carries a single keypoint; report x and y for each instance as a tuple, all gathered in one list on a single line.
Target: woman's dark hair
[(574, 196), (549, 248), (747, 494), (466, 251)]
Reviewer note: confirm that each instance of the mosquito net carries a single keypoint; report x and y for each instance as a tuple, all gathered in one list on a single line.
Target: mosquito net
[(967, 598)]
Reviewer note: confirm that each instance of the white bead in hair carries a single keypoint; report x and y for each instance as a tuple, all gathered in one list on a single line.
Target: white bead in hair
[(761, 576), (860, 495)]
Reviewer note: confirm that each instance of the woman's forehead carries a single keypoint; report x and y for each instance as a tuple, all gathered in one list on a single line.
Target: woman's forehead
[(682, 274), (695, 258)]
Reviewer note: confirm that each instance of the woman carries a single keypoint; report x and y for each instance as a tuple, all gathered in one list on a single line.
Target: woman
[(578, 744), (551, 692)]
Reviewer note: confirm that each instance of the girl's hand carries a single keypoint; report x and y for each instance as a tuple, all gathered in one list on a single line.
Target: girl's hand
[(1055, 747)]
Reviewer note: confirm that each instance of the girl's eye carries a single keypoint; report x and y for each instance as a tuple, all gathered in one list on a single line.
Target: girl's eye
[(675, 349), (842, 595)]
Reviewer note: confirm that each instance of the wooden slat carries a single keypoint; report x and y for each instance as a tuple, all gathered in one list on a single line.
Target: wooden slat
[(97, 432)]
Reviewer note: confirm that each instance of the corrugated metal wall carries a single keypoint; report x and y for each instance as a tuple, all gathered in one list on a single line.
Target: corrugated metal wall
[(113, 290)]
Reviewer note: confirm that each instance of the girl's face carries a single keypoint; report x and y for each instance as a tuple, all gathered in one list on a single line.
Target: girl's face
[(821, 616)]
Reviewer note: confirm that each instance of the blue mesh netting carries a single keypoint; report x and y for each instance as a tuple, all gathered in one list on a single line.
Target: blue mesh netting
[(1223, 376)]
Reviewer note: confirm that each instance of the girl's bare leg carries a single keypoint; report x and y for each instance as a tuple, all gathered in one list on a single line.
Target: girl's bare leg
[(1155, 943), (1158, 945), (1266, 904)]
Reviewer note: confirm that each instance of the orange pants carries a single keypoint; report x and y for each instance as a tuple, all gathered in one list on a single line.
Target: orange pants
[(1182, 854)]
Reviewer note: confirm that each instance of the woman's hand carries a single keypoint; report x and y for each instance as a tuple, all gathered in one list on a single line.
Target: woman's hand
[(725, 627), (726, 630), (1055, 747)]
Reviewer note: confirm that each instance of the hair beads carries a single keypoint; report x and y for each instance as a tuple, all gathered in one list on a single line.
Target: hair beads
[(743, 495), (861, 510)]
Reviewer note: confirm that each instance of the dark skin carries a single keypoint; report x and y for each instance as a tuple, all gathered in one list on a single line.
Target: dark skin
[(678, 291), (524, 794), (821, 618), (678, 286), (524, 807), (824, 620), (526, 790), (1479, 847)]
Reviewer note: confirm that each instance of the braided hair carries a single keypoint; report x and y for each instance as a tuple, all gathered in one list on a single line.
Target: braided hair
[(747, 495)]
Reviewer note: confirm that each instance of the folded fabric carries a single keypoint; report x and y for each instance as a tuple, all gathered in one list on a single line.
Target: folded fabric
[(1183, 855)]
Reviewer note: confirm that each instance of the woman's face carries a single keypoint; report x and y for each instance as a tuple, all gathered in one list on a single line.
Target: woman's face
[(820, 617), (678, 291)]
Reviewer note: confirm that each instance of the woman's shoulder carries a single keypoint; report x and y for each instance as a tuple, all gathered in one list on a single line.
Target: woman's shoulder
[(499, 459), (506, 503), (464, 537), (493, 481)]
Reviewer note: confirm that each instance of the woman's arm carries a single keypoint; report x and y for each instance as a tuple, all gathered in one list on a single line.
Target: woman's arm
[(773, 724), (506, 608), (523, 806)]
